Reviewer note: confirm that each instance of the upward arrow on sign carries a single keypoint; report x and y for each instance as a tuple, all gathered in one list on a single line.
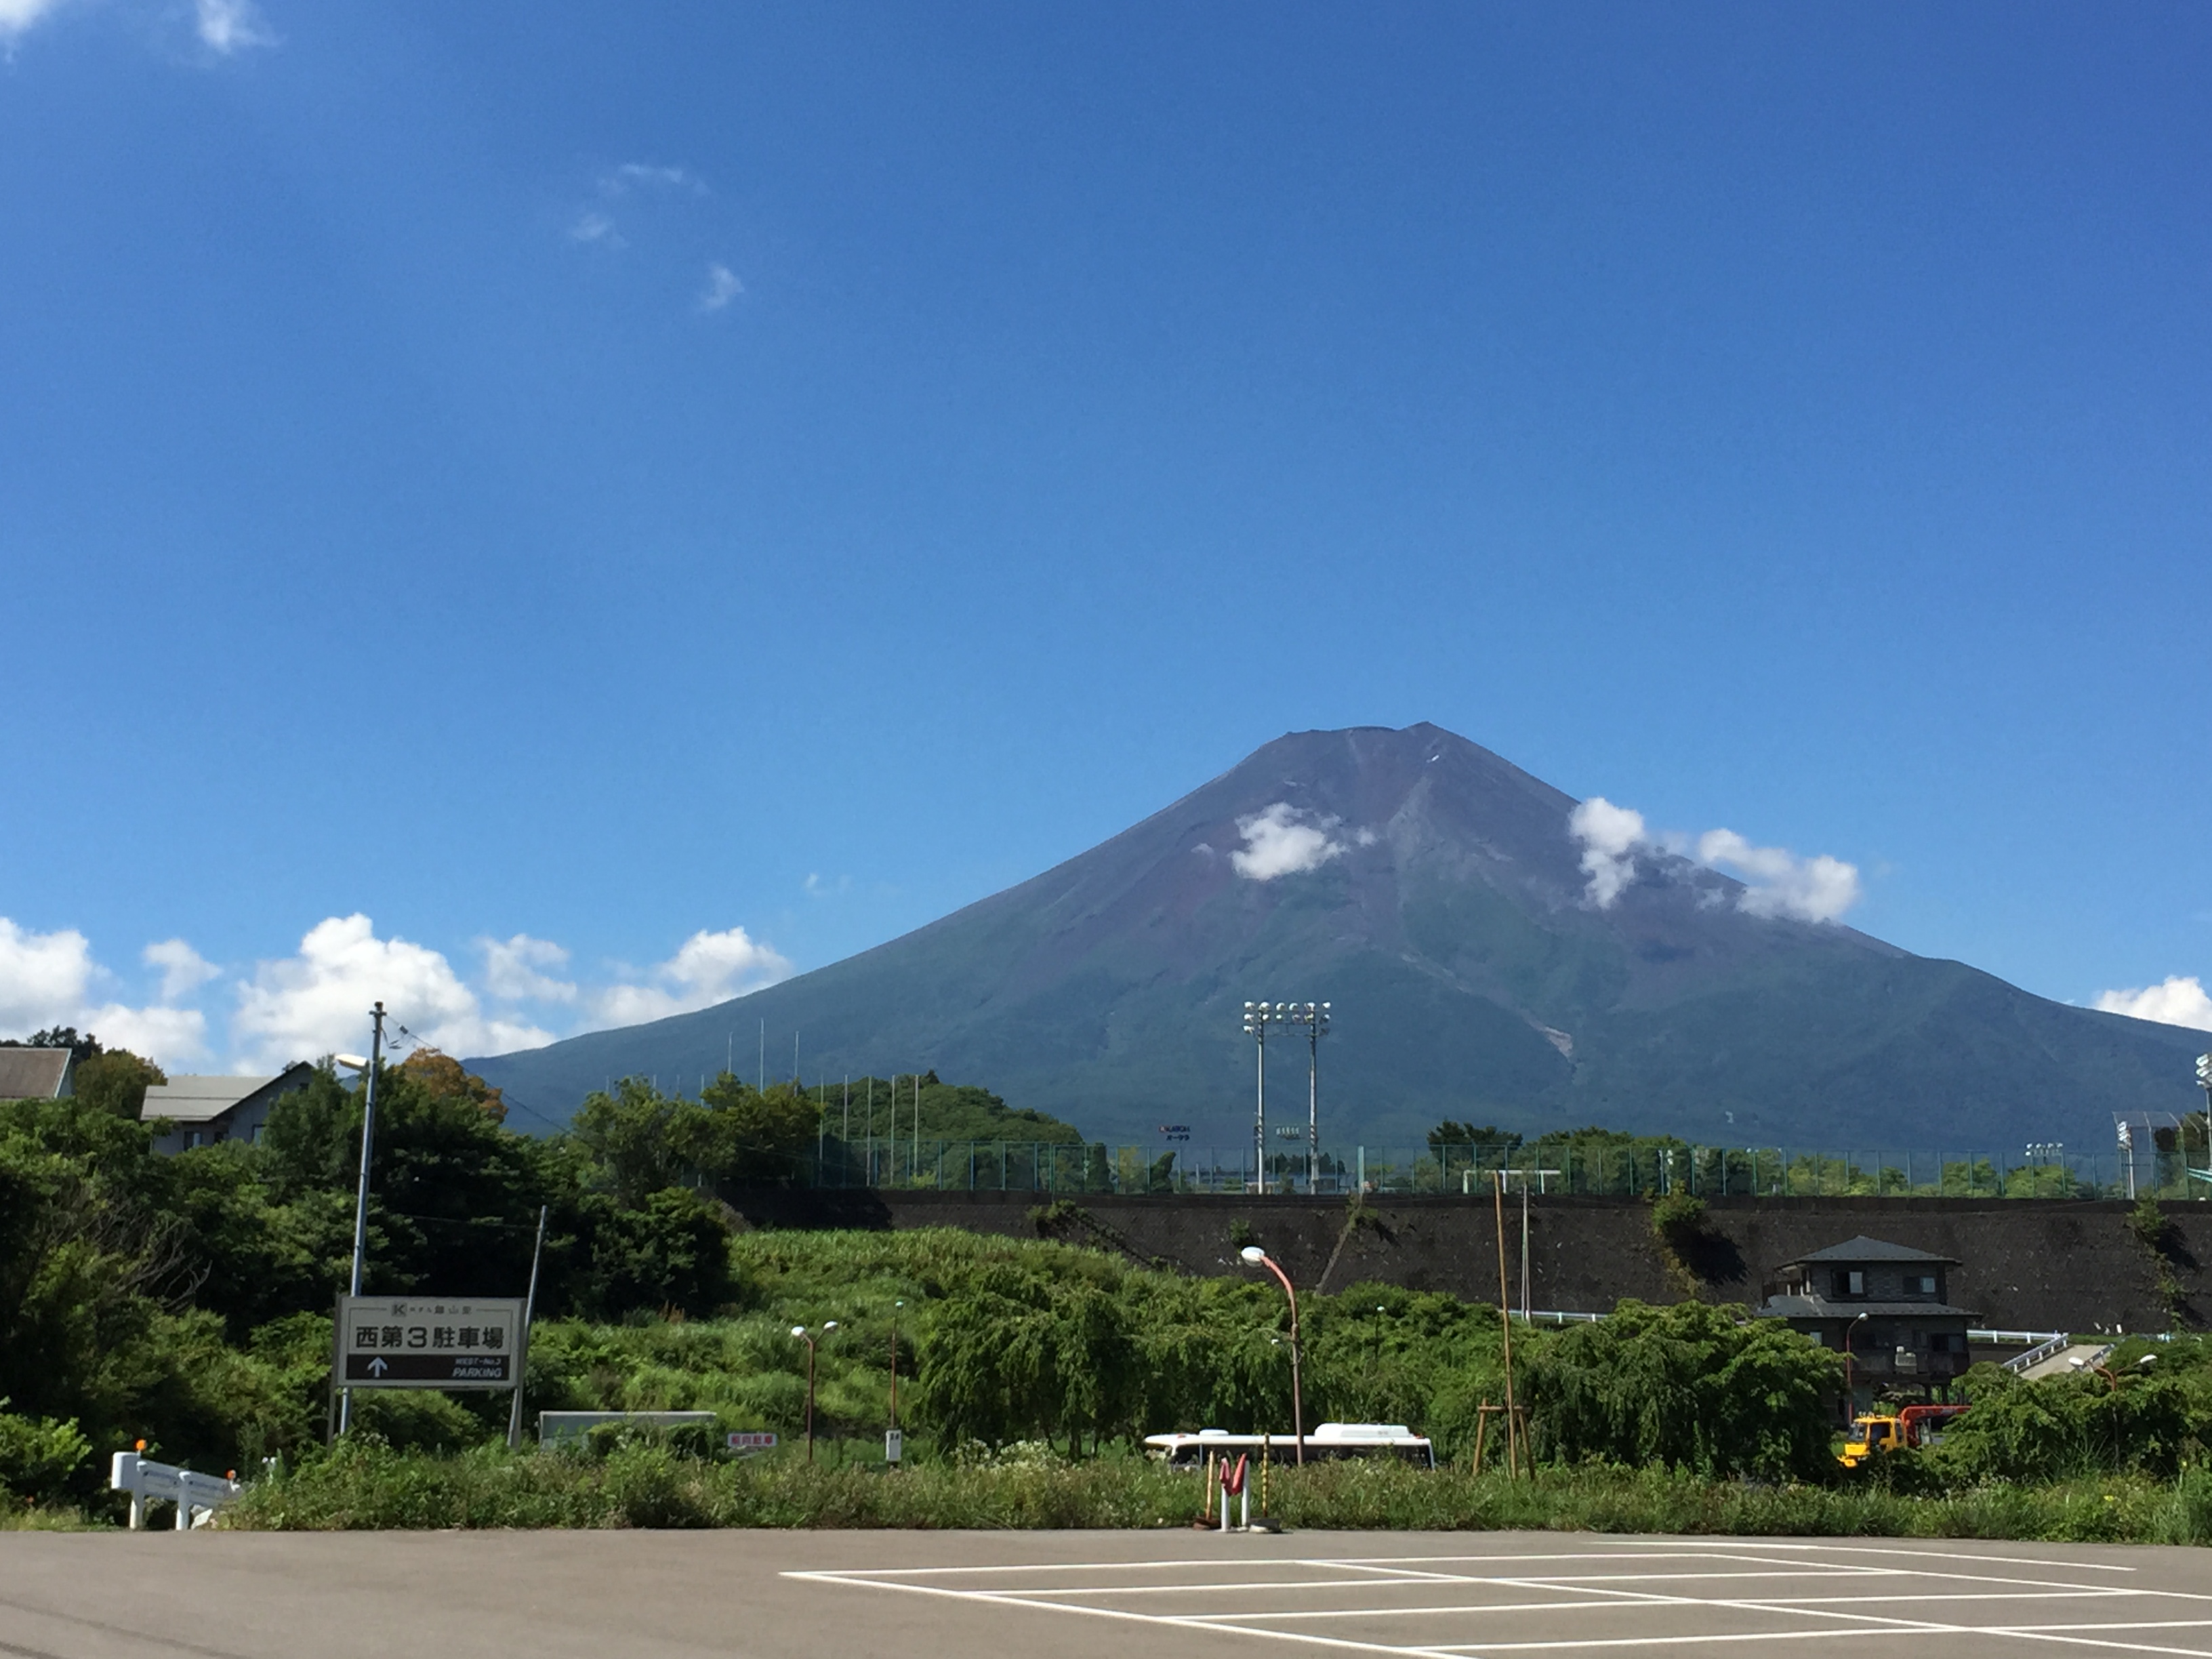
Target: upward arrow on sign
[(377, 1367)]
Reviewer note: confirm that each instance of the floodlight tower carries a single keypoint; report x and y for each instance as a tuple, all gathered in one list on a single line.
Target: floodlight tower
[(1258, 1017), (1314, 1016)]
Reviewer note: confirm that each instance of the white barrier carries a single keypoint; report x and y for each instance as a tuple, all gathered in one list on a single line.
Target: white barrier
[(145, 1480)]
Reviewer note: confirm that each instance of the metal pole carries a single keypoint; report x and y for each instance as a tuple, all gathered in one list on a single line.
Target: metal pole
[(1259, 1115), (360, 1190), (810, 1400), (1313, 1102), (1505, 1335), (1524, 1247), (1298, 1395), (522, 1355)]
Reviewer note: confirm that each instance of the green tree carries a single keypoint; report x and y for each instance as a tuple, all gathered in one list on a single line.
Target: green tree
[(671, 1254), (1012, 1353), (116, 1081)]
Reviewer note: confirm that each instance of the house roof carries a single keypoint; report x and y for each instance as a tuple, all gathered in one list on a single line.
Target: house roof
[(1864, 1249), (33, 1074), (198, 1099), (1817, 1307)]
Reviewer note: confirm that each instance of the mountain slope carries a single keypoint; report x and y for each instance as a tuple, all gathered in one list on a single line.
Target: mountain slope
[(1432, 892)]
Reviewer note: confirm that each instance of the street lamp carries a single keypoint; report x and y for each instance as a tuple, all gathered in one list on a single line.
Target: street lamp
[(1255, 1257), (368, 1068), (801, 1332), (1850, 1393)]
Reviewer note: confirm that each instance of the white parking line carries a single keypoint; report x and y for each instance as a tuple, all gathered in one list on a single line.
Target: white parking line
[(1561, 1583)]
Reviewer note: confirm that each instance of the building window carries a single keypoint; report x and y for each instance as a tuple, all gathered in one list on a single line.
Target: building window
[(1922, 1285), (192, 1138), (1819, 1337), (1851, 1283)]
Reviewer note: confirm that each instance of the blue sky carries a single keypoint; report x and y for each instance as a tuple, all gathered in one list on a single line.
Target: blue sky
[(494, 499)]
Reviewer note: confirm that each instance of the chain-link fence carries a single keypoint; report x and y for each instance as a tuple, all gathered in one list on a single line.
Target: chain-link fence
[(1633, 1169)]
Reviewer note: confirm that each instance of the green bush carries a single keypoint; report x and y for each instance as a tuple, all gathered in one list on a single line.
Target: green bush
[(38, 1456), (1692, 1387), (2063, 1428)]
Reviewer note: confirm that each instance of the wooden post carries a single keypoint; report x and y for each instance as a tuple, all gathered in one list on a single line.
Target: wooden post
[(1481, 1430)]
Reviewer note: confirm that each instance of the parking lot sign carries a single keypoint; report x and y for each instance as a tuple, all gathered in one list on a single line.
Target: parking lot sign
[(430, 1342)]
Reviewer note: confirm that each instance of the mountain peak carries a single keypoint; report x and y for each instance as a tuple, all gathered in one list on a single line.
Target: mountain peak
[(1437, 895)]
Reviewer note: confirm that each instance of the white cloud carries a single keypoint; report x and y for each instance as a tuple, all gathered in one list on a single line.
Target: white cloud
[(231, 25), (638, 175), (1776, 881), (596, 227), (318, 1002), (47, 979), (722, 286), (1281, 841), (184, 970), (17, 15), (2174, 1001), (1780, 884), (44, 977), (514, 969), (1610, 835), (708, 968), (170, 1037)]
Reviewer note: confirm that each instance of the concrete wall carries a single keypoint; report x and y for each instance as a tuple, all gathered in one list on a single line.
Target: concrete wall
[(2026, 1264)]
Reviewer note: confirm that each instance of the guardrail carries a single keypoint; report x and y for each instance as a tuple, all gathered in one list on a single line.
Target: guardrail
[(2034, 1356), (196, 1496)]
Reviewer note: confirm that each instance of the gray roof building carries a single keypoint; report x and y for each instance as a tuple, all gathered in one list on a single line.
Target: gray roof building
[(202, 1110), (1885, 1307), (35, 1073)]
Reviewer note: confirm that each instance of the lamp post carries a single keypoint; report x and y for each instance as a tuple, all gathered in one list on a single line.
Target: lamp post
[(1851, 1391), (1255, 1257), (802, 1334), (367, 1069)]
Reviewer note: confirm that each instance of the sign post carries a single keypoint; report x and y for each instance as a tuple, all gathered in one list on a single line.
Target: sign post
[(471, 1342)]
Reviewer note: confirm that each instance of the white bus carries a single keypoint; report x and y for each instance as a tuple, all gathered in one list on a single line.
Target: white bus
[(1329, 1440)]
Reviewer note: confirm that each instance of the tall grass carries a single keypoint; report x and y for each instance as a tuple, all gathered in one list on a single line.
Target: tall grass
[(646, 1485)]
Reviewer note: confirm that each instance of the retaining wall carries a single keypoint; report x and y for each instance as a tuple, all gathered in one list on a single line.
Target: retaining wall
[(2025, 1264)]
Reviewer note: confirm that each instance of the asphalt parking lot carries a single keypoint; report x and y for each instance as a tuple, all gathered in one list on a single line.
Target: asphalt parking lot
[(1072, 1596)]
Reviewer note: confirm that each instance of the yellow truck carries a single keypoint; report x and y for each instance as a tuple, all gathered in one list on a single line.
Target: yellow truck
[(1915, 1425)]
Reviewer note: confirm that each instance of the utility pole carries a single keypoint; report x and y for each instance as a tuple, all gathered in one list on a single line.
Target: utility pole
[(522, 1355), (361, 1189)]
